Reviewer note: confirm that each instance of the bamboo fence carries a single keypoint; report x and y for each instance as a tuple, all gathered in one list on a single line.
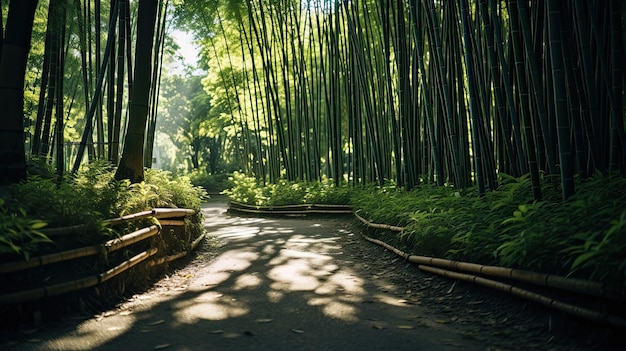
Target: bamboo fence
[(454, 270), (165, 216)]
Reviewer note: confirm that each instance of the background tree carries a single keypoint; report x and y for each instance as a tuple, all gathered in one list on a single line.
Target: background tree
[(131, 162), (13, 61)]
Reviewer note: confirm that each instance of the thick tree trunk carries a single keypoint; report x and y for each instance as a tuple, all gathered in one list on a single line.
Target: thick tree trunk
[(15, 48), (131, 163)]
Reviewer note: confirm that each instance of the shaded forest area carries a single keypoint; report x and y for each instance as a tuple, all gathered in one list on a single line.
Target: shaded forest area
[(418, 91), (466, 97)]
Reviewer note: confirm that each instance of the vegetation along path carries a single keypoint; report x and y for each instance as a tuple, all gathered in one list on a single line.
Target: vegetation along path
[(310, 283)]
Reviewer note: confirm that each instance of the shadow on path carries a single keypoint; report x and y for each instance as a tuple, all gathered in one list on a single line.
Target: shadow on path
[(267, 284)]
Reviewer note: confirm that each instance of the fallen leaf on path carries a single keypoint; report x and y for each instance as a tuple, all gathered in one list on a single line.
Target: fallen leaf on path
[(406, 327), (452, 288)]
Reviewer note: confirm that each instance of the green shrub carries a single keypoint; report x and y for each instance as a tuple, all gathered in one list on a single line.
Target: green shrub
[(584, 236), (88, 197), (20, 235)]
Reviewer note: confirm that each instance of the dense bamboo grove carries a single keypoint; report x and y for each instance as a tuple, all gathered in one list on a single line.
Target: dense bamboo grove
[(90, 86), (415, 91)]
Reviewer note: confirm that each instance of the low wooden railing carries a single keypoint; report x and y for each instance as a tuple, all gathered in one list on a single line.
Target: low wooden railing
[(164, 216)]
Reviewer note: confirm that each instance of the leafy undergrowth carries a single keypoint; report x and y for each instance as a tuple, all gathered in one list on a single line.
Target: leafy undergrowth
[(88, 197), (248, 191), (583, 237), (85, 199)]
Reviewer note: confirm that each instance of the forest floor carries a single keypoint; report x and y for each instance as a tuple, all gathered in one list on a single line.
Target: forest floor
[(310, 283)]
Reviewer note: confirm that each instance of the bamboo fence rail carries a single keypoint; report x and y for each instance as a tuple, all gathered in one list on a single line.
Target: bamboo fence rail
[(165, 216), (85, 282), (436, 266), (291, 209)]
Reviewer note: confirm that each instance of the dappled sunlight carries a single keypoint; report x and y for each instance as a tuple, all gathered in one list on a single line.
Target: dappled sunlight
[(208, 306), (303, 265), (222, 268), (85, 337), (345, 282), (217, 219), (293, 275), (336, 309), (246, 281), (275, 296), (237, 233)]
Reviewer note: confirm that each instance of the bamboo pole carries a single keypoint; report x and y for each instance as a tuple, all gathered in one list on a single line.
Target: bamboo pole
[(529, 295), (196, 242), (48, 259), (547, 280), (103, 277), (294, 212), (172, 212), (291, 209), (111, 245), (556, 304), (86, 282), (377, 225), (156, 212), (554, 281), (131, 238), (172, 222), (239, 204), (170, 258), (129, 217)]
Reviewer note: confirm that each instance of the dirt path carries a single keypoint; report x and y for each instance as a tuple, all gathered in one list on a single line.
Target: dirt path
[(307, 283)]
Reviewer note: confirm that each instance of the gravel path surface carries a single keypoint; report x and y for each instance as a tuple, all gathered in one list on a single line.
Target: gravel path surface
[(310, 283)]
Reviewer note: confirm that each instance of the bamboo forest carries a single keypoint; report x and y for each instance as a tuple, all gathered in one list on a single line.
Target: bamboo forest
[(487, 131)]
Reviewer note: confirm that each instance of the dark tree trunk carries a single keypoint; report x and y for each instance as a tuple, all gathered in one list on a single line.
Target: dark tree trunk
[(131, 163), (15, 48)]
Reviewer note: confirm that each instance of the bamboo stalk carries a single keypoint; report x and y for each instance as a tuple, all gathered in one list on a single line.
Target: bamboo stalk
[(552, 281), (172, 212), (196, 242), (290, 212), (48, 259), (112, 245), (167, 259), (129, 217), (103, 277), (547, 280), (176, 256), (131, 238), (303, 206), (529, 295), (172, 222), (377, 225), (86, 282)]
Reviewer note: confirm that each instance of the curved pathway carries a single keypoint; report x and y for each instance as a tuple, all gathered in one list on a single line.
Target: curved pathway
[(282, 283)]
